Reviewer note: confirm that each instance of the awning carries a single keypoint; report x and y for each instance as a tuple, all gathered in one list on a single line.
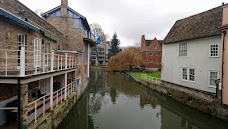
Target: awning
[(18, 20)]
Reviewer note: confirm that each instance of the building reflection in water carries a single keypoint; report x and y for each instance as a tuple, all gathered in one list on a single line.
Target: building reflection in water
[(121, 93)]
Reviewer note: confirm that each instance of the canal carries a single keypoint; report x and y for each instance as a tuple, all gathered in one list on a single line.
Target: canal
[(115, 101)]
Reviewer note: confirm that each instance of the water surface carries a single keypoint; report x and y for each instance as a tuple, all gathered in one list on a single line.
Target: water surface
[(115, 101)]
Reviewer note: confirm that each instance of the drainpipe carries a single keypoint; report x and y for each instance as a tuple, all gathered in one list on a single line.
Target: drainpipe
[(223, 44), (18, 104)]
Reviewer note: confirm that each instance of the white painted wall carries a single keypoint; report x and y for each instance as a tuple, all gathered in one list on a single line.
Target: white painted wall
[(198, 58)]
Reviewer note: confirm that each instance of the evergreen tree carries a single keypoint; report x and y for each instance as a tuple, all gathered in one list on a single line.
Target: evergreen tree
[(115, 42)]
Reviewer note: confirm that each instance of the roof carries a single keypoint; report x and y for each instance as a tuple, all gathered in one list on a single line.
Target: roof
[(148, 42), (18, 20), (46, 14), (202, 25)]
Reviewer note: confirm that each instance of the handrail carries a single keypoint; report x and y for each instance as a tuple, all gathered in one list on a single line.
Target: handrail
[(150, 79)]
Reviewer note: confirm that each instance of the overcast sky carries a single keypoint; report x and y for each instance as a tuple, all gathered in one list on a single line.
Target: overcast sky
[(132, 18)]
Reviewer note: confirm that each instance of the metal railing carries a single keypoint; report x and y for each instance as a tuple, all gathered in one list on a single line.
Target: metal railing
[(151, 79), (41, 105), (23, 62)]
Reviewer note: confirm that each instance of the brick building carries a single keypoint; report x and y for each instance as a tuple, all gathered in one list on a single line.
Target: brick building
[(152, 52), (42, 64)]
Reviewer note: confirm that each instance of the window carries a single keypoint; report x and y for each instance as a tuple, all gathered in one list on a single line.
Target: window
[(37, 53), (155, 47), (76, 23), (214, 52), (188, 74), (151, 54), (70, 14), (158, 62), (47, 50), (185, 74), (55, 14), (213, 77), (151, 61), (191, 74), (183, 49)]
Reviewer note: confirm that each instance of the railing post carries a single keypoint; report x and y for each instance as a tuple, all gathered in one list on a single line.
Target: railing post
[(44, 106), (22, 61), (51, 93), (35, 111), (65, 60), (61, 62), (44, 62), (65, 86), (57, 99), (61, 95), (58, 62), (52, 60), (6, 62)]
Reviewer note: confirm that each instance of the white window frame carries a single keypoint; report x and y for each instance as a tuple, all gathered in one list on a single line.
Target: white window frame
[(188, 74), (210, 51), (19, 44), (47, 51), (155, 47), (209, 78), (151, 61), (181, 53), (37, 53), (182, 74)]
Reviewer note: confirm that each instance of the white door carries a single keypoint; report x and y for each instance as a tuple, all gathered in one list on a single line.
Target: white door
[(20, 42), (37, 53)]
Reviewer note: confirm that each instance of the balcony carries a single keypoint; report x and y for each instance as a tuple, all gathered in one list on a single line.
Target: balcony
[(48, 102), (22, 62)]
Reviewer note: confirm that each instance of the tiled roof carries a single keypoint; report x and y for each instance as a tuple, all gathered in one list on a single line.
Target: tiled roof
[(205, 24)]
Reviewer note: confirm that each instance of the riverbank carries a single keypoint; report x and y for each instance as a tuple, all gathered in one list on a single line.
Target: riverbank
[(100, 68), (190, 97)]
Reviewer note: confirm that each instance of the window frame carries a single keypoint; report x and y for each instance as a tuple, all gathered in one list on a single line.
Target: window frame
[(179, 49), (38, 64), (209, 78), (151, 61), (188, 74), (46, 51), (210, 51)]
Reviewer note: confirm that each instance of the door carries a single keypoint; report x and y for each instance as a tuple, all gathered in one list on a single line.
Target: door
[(37, 53)]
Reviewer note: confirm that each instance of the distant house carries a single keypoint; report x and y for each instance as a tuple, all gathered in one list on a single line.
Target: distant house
[(152, 52), (192, 49)]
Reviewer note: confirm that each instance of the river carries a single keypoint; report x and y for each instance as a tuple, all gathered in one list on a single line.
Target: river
[(115, 101)]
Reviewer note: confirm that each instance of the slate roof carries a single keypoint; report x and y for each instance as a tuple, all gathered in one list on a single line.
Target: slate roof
[(205, 24)]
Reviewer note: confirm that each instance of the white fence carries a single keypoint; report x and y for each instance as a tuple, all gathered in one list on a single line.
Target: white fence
[(23, 62), (151, 79), (41, 105)]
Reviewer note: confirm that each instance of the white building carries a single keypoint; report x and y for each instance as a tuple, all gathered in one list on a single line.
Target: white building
[(191, 55)]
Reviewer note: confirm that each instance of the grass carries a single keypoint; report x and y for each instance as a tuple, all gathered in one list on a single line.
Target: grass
[(138, 75)]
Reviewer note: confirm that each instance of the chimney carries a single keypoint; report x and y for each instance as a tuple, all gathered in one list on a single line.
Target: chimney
[(64, 2), (64, 12), (142, 41)]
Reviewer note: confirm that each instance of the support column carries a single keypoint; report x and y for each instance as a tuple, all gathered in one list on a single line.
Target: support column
[(65, 93), (65, 60), (88, 63), (23, 103), (51, 93), (22, 61), (52, 60)]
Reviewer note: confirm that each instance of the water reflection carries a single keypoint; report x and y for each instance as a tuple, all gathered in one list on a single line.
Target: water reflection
[(115, 101)]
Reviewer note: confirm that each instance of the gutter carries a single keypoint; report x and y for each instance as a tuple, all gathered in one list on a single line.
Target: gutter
[(223, 44)]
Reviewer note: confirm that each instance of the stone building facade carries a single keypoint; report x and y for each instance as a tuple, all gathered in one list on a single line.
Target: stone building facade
[(41, 64)]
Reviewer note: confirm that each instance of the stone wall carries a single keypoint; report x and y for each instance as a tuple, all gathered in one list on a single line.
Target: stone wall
[(192, 98), (73, 36), (20, 10)]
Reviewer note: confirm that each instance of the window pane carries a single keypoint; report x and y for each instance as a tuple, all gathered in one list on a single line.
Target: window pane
[(183, 49), (192, 74), (184, 74), (213, 77), (76, 23), (214, 50)]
